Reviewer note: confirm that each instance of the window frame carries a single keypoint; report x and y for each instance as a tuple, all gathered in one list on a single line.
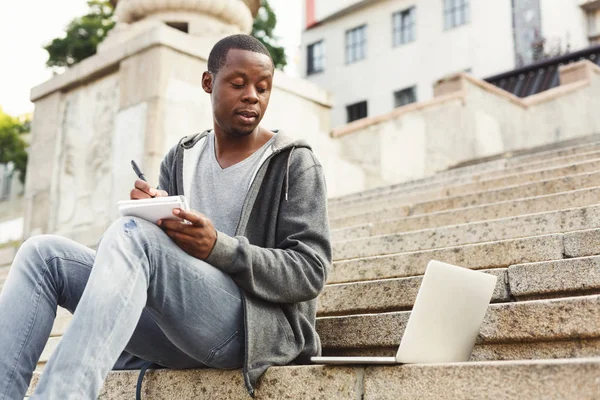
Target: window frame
[(456, 13), (400, 92), (404, 26), (311, 67), (355, 108), (356, 44)]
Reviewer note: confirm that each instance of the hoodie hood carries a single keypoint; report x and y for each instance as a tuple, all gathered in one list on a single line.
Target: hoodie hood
[(192, 146)]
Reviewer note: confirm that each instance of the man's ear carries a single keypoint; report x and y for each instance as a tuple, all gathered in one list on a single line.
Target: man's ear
[(207, 82)]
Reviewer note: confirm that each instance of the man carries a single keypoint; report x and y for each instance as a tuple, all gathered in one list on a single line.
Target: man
[(235, 288)]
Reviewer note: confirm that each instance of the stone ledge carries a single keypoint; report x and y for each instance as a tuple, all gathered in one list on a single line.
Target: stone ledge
[(532, 380), (291, 382), (160, 35), (547, 379)]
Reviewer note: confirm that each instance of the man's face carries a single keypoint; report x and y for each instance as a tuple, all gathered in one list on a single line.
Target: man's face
[(240, 91)]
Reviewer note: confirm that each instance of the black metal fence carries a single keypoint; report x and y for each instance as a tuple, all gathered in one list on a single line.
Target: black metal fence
[(541, 76)]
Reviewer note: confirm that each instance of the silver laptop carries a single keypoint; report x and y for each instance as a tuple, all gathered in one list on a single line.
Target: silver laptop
[(445, 320)]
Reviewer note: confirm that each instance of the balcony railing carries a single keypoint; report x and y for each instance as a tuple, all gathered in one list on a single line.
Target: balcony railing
[(541, 76)]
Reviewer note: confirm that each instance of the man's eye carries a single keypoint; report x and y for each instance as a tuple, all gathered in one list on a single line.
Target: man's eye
[(237, 86), (262, 90)]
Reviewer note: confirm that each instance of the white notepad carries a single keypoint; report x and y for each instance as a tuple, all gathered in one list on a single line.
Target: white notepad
[(153, 209)]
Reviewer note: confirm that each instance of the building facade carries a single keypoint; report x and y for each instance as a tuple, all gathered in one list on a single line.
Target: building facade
[(375, 55)]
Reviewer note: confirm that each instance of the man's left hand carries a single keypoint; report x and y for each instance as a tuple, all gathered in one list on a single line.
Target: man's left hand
[(196, 238)]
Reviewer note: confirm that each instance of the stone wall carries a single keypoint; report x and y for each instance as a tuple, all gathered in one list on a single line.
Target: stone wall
[(470, 119)]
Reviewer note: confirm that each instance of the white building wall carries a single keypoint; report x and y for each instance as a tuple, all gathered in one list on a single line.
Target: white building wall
[(484, 46), (563, 21)]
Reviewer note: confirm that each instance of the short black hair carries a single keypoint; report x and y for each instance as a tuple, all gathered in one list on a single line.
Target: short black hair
[(218, 54)]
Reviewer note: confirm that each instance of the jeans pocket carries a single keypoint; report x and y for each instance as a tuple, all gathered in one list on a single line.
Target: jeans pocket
[(229, 354)]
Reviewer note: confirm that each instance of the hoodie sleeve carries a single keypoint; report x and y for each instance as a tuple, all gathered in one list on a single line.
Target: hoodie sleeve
[(296, 270)]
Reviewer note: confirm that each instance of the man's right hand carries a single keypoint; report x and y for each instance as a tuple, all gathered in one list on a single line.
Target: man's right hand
[(143, 190)]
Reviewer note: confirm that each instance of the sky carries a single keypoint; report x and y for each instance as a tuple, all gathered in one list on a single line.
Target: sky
[(27, 25)]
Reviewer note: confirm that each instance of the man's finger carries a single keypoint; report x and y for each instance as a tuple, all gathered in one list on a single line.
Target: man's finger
[(178, 237), (145, 187), (194, 217), (177, 225)]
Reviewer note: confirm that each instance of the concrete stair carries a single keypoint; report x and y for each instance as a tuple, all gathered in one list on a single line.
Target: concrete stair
[(530, 218)]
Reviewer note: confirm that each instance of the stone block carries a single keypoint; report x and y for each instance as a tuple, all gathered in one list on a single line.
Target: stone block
[(489, 255), (290, 382), (582, 243), (513, 380), (568, 277), (386, 295)]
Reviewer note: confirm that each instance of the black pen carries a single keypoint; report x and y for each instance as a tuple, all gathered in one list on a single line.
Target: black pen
[(139, 173)]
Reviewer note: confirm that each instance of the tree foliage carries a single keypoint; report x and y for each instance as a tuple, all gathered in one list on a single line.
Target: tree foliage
[(12, 145), (83, 35), (263, 29)]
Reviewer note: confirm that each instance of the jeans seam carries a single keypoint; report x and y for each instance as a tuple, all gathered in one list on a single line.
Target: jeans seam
[(37, 295), (220, 346), (74, 260)]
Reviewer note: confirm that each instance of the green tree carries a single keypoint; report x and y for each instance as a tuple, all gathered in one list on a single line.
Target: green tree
[(263, 29), (12, 145), (83, 35)]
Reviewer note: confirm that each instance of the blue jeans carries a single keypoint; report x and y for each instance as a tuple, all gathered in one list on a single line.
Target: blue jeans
[(138, 297)]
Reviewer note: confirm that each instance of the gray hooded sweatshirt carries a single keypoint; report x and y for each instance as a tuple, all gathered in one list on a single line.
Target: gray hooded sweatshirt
[(280, 254)]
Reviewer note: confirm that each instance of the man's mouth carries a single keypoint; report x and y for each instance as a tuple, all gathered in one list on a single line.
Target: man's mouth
[(247, 116)]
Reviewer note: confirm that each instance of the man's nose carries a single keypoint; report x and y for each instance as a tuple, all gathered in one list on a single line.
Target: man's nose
[(250, 94)]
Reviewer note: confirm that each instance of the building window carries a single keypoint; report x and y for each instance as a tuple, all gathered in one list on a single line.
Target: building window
[(315, 58), (405, 96), (356, 111), (356, 44), (456, 13), (404, 25)]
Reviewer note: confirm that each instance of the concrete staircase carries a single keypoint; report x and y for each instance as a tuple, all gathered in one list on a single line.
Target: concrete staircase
[(532, 219)]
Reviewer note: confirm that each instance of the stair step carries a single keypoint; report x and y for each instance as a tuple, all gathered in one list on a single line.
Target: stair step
[(500, 254), (572, 318), (540, 164), (464, 170), (386, 295), (514, 380), (520, 191), (508, 380), (397, 221), (532, 281), (436, 191), (476, 232), (567, 277)]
